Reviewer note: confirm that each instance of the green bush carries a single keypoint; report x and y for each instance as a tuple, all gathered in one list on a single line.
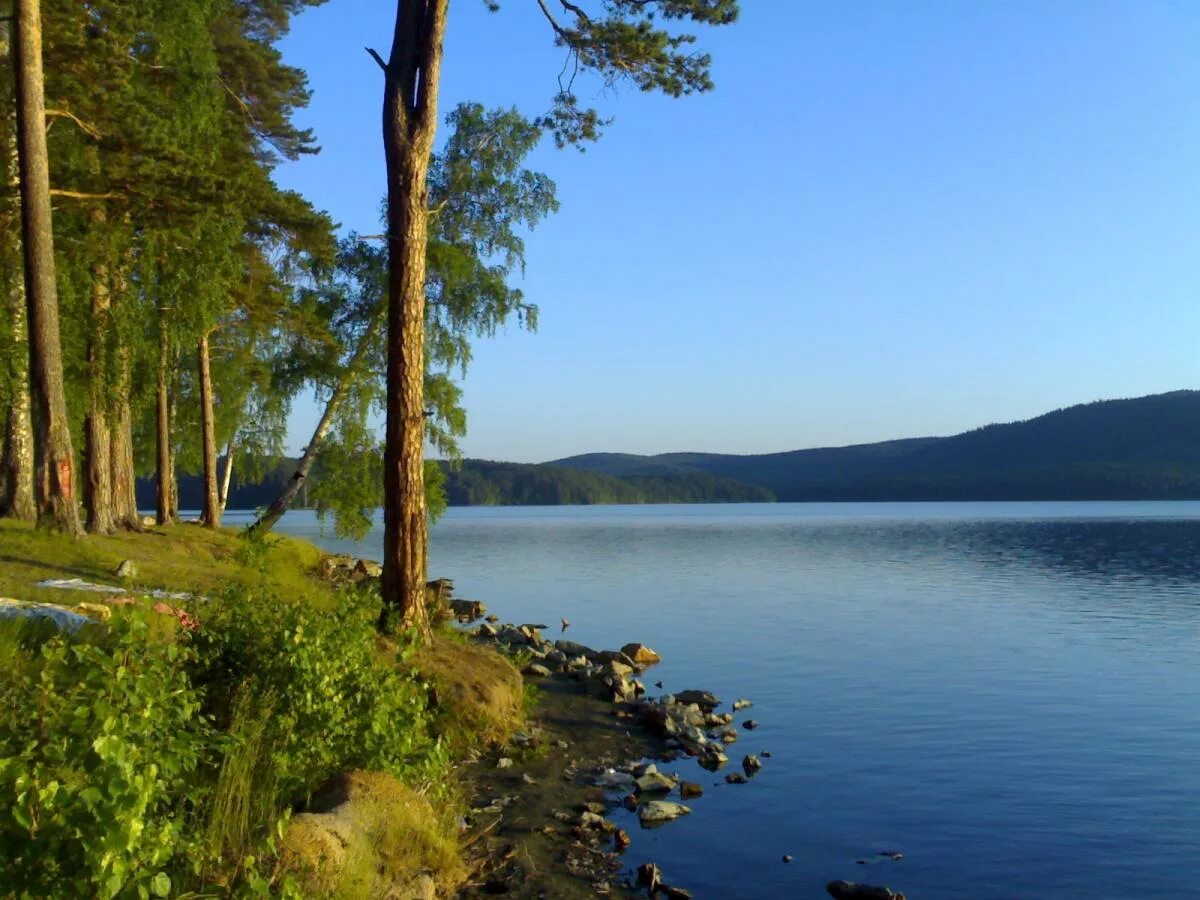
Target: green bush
[(101, 741)]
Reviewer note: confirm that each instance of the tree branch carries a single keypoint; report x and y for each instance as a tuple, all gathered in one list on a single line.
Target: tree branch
[(85, 195), (91, 130), (379, 59)]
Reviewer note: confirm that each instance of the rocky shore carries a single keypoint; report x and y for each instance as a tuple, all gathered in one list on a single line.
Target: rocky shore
[(543, 812)]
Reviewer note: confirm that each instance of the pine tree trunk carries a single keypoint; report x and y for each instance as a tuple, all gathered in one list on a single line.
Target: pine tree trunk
[(211, 515), (16, 466), (227, 475), (97, 438), (165, 464), (172, 472), (124, 489), (299, 478), (409, 122), (56, 479)]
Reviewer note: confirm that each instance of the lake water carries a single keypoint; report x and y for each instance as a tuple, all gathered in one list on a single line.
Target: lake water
[(1007, 693)]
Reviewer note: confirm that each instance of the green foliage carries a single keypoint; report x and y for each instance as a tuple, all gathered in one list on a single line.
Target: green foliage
[(100, 749)]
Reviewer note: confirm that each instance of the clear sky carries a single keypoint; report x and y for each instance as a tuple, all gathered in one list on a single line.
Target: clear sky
[(889, 219)]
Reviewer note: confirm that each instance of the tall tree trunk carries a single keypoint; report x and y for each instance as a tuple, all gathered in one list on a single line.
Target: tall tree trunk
[(56, 481), (124, 484), (16, 467), (172, 418), (165, 464), (227, 475), (97, 438), (18, 501), (299, 478), (211, 515), (411, 78)]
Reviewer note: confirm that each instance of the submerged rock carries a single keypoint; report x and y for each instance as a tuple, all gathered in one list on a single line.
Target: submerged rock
[(735, 778), (848, 890)]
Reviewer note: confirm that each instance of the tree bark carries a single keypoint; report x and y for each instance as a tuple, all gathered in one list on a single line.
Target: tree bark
[(226, 475), (97, 438), (56, 479), (211, 514), (124, 485), (165, 464), (299, 479), (411, 78)]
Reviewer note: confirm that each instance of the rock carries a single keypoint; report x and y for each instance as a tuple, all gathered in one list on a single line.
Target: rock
[(486, 631), (655, 783), (526, 778), (671, 892), (591, 820), (766, 754), (848, 890), (749, 724), (467, 610), (741, 704), (616, 667), (641, 654), (504, 763), (606, 656), (712, 759), (493, 619), (149, 521), (704, 699), (649, 876), (561, 745), (611, 778), (892, 854), (61, 617), (787, 857), (332, 566), (573, 649), (365, 568), (750, 764), (630, 802), (689, 789), (536, 669), (661, 811), (735, 778), (127, 569), (621, 840)]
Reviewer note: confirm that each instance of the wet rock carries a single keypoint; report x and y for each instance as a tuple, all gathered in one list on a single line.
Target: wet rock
[(661, 811), (622, 840), (766, 754), (641, 654), (655, 783), (630, 802), (787, 857), (895, 855), (749, 724), (735, 778), (712, 759), (741, 704), (848, 890), (467, 610), (689, 789), (671, 892), (127, 569), (704, 699), (750, 764), (537, 670), (649, 876)]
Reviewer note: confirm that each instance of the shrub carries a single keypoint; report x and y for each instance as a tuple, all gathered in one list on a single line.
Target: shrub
[(101, 737)]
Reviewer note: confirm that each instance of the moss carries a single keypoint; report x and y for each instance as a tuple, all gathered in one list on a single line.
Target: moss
[(372, 837)]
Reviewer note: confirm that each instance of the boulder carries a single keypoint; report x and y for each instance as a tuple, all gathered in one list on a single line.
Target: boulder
[(606, 656), (704, 699), (655, 783), (661, 811), (366, 568), (712, 759), (741, 704), (641, 654), (848, 890), (750, 764), (467, 610), (689, 789), (537, 670), (573, 649)]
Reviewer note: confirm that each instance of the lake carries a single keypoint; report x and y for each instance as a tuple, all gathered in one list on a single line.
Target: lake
[(1007, 693)]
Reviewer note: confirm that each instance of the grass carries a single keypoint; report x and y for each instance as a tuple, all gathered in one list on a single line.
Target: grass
[(177, 558)]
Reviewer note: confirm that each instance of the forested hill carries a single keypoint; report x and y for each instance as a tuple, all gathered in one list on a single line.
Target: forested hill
[(1143, 448), (482, 483)]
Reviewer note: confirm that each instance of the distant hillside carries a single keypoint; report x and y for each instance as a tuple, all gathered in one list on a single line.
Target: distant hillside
[(482, 483), (1144, 448)]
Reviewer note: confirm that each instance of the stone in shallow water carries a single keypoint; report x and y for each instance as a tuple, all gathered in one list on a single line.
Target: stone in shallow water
[(655, 783), (641, 654), (706, 700), (848, 890), (661, 811)]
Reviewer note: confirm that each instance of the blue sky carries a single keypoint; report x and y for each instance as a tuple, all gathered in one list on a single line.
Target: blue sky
[(889, 219)]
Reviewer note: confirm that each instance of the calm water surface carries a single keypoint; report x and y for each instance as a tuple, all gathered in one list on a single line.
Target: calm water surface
[(1008, 693)]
